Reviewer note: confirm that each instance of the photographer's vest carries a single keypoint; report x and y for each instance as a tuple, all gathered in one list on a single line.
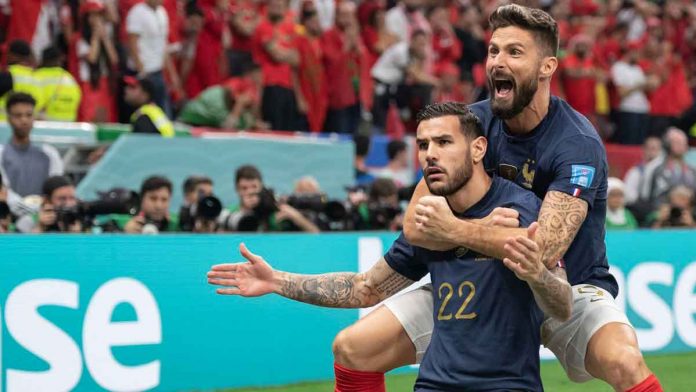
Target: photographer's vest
[(157, 116), (23, 81), (60, 94)]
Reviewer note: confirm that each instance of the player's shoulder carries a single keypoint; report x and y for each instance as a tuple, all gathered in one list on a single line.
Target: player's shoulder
[(513, 193), (569, 123), (482, 109)]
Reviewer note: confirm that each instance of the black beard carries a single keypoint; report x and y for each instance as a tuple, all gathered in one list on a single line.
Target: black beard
[(523, 97), (460, 178)]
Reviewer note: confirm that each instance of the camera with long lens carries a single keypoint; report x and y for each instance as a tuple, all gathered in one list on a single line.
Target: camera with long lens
[(331, 215), (114, 201), (206, 213), (206, 210), (382, 215), (252, 221)]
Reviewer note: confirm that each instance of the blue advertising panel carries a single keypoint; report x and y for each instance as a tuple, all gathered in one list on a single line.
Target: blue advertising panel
[(131, 313)]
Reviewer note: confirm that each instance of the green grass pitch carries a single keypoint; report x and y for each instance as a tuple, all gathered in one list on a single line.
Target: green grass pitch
[(675, 371)]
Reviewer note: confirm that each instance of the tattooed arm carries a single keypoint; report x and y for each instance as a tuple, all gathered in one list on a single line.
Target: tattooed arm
[(337, 290), (550, 286), (343, 289), (560, 218), (553, 294)]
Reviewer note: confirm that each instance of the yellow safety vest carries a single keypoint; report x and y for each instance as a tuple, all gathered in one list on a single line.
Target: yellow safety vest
[(22, 82), (157, 116), (60, 94)]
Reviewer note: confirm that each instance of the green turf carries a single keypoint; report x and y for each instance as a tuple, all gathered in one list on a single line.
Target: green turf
[(675, 372)]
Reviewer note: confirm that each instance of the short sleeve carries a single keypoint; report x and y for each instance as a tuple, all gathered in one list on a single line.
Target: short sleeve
[(403, 259), (134, 25), (580, 168), (55, 161)]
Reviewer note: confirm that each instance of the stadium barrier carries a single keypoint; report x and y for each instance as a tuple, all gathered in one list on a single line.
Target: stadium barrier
[(135, 312), (133, 158)]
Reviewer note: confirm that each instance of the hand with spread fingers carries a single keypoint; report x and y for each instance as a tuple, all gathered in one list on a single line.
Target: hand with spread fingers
[(253, 278), (525, 256)]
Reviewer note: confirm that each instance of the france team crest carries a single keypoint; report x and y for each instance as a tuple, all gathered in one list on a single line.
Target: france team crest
[(582, 175)]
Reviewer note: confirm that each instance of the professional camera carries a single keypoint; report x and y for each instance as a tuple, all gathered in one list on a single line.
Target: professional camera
[(207, 209), (252, 221), (114, 201), (382, 214), (326, 214)]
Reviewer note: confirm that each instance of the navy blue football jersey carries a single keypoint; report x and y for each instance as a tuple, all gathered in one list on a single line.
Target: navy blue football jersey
[(563, 153), (486, 334)]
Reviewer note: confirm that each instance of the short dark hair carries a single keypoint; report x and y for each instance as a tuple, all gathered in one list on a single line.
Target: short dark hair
[(17, 98), (469, 123), (51, 56), (192, 182), (247, 172), (539, 22), (395, 147), (383, 187), (53, 183), (154, 183), (20, 48)]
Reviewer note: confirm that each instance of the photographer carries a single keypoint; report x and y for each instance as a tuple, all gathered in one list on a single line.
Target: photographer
[(154, 217), (258, 210), (54, 216), (384, 209), (677, 212), (195, 188)]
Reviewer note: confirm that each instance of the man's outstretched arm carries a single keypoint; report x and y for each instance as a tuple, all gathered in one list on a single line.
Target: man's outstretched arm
[(337, 290)]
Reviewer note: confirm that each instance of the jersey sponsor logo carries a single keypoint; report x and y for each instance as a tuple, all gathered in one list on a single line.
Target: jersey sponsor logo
[(508, 172), (582, 175), (528, 173)]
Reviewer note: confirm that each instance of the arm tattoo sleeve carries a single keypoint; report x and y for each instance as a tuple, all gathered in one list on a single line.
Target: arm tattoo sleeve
[(344, 289), (553, 294), (560, 219)]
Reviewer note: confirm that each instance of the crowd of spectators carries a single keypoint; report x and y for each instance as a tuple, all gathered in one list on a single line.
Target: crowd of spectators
[(355, 67), (333, 66)]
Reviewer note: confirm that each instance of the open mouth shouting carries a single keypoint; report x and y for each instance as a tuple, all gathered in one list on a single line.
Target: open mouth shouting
[(503, 86)]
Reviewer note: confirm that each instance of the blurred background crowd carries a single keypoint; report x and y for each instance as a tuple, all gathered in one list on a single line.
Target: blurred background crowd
[(359, 68)]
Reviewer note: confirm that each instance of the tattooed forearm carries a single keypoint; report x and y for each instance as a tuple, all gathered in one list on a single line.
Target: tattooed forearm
[(336, 290), (343, 289), (392, 285), (560, 219), (553, 294)]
